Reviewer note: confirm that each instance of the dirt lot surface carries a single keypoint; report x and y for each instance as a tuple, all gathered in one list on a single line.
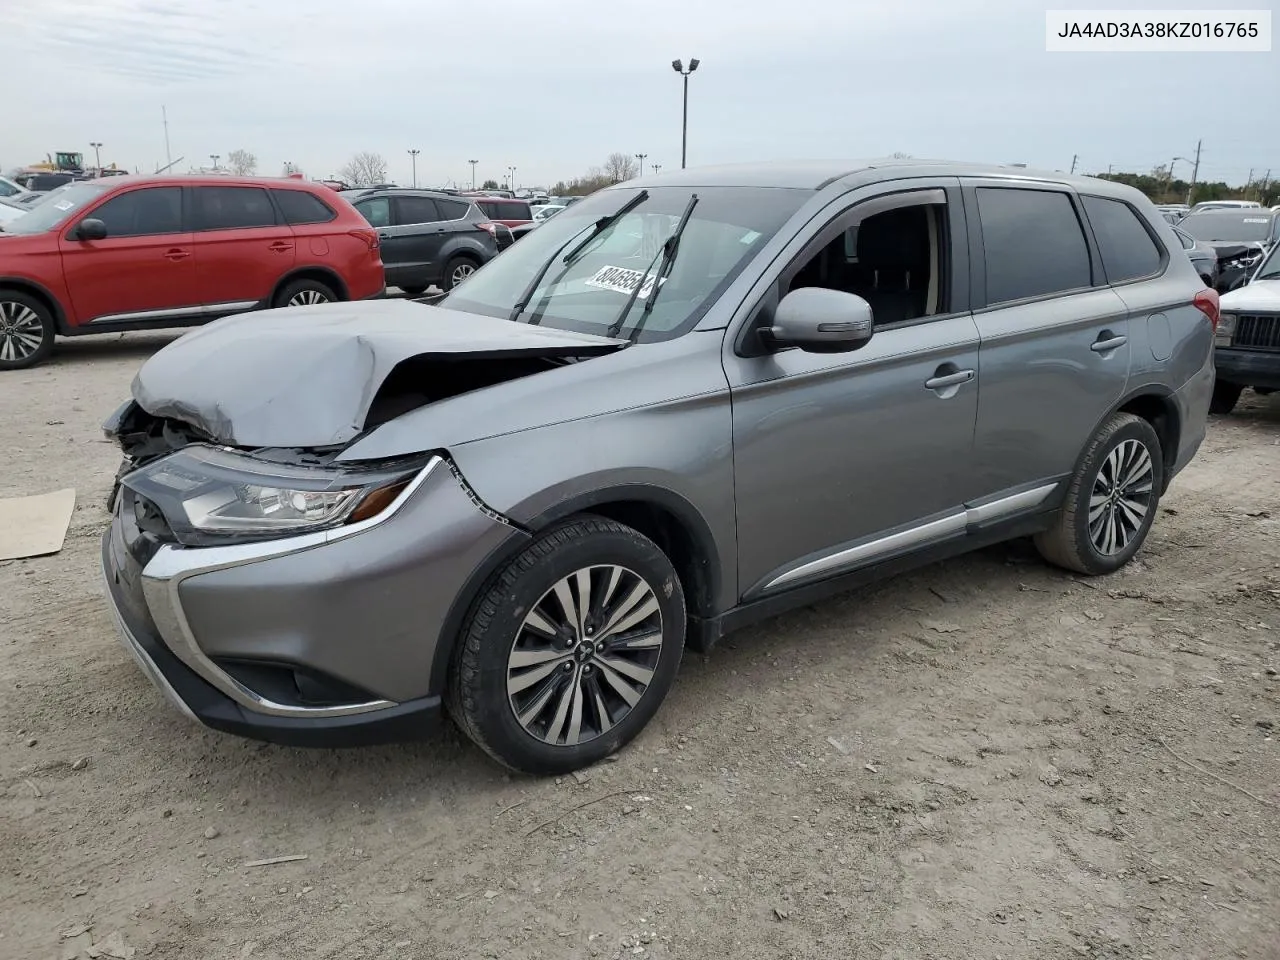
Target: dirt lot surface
[(985, 759)]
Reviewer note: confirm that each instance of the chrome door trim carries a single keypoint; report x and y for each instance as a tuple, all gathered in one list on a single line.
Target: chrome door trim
[(967, 516), (231, 306)]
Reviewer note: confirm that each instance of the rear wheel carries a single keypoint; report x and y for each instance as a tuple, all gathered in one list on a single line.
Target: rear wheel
[(457, 270), (1225, 397), (304, 293), (571, 649), (414, 291), (26, 330), (1111, 502)]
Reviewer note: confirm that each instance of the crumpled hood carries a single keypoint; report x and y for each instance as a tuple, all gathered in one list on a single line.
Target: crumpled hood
[(1226, 249), (308, 376)]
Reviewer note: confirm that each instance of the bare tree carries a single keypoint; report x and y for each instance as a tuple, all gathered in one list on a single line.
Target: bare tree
[(365, 169), (620, 166), (242, 163)]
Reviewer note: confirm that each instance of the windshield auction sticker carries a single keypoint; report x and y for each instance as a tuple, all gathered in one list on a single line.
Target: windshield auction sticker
[(1158, 31), (622, 280)]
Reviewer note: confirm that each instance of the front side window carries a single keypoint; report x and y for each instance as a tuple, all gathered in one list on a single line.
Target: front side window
[(377, 211), (150, 211), (233, 208), (1034, 243), (727, 227), (1127, 248)]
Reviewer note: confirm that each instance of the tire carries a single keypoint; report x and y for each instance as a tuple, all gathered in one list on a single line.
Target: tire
[(307, 293), (1225, 397), (562, 683), (414, 291), (27, 330), (457, 270), (1117, 448)]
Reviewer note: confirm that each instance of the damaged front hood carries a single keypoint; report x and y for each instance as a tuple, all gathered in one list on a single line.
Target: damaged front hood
[(308, 376)]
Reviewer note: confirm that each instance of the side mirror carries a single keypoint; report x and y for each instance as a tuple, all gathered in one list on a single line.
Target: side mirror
[(818, 320), (91, 230)]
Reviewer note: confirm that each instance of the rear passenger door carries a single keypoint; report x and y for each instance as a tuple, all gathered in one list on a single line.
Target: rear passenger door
[(1055, 349), (242, 248), (414, 240)]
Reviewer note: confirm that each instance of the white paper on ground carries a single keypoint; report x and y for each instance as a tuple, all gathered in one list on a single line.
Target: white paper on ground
[(35, 526)]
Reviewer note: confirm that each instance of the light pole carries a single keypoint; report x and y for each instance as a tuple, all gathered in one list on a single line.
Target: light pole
[(678, 67), (640, 157), (214, 157), (511, 180), (97, 157), (655, 167), (413, 156), (473, 172)]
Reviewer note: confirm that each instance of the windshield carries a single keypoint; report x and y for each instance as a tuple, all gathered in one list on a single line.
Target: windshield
[(1270, 269), (1240, 226), (728, 227), (57, 207)]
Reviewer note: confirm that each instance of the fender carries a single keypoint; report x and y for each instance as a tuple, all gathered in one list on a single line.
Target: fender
[(59, 317)]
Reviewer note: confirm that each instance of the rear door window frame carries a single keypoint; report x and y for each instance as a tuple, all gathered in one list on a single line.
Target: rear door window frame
[(193, 209)]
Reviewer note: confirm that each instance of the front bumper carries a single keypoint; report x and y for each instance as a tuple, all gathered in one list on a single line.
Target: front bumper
[(1248, 368), (363, 607)]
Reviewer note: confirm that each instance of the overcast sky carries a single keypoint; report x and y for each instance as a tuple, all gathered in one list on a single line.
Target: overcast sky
[(554, 86)]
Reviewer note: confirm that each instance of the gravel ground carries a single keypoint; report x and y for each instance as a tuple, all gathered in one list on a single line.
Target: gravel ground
[(986, 759)]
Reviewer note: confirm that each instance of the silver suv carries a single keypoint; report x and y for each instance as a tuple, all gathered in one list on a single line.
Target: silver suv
[(683, 404)]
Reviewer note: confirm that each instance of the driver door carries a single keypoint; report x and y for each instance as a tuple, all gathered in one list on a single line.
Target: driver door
[(841, 460)]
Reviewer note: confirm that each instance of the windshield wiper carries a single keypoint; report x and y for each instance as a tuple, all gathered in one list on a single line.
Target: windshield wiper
[(668, 254), (597, 228)]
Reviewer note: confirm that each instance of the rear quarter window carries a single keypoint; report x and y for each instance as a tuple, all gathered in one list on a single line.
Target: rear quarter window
[(1128, 250), (452, 209), (300, 207)]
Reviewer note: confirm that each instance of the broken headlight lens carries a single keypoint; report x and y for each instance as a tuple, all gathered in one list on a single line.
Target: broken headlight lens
[(209, 494)]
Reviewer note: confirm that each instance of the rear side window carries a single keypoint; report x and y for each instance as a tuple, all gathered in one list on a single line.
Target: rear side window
[(233, 208), (377, 211), (300, 207), (416, 210), (1034, 243), (451, 209), (1128, 252), (141, 213)]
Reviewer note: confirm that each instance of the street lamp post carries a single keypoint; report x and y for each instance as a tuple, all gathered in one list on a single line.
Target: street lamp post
[(655, 167), (413, 156), (512, 181), (473, 172), (678, 67), (97, 157), (640, 157), (214, 157)]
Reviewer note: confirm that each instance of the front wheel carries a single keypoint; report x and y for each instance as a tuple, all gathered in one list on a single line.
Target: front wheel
[(304, 293), (1111, 502), (1225, 397), (26, 330), (571, 649)]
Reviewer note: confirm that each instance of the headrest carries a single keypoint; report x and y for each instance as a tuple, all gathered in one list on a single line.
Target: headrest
[(896, 238)]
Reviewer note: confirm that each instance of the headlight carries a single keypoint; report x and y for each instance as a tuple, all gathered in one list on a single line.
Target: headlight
[(1226, 330), (210, 494)]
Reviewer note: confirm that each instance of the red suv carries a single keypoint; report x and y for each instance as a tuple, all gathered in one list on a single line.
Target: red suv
[(137, 253), (505, 210)]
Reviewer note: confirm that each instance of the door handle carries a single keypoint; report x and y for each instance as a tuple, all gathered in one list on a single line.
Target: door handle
[(949, 380), (1103, 344), (176, 254), (384, 236), (281, 246)]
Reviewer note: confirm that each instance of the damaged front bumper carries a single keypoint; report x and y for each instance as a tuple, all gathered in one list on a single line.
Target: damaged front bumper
[(330, 638)]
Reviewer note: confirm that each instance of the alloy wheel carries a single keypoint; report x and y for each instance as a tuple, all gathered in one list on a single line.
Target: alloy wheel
[(1121, 497), (461, 272), (21, 332), (307, 298), (584, 655)]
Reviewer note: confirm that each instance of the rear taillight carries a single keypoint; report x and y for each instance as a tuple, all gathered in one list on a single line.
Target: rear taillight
[(490, 228), (1206, 301), (366, 236)]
